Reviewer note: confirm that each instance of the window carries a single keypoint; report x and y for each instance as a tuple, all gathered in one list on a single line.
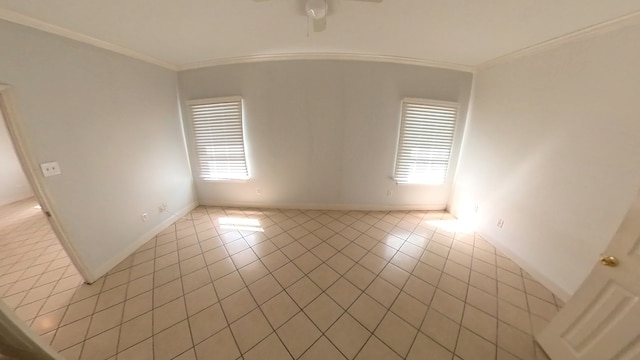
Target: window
[(219, 139), (426, 138)]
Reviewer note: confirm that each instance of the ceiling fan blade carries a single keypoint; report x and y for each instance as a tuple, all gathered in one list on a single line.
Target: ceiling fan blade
[(320, 25)]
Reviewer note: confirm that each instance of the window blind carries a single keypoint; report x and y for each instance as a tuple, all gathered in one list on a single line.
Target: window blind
[(426, 139), (219, 138)]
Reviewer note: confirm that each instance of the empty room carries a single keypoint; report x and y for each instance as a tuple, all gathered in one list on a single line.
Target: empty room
[(319, 179)]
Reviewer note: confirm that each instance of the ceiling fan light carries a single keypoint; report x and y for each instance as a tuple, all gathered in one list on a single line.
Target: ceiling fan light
[(316, 9)]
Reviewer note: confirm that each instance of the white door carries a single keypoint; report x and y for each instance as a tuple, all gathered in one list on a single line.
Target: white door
[(602, 320), (18, 342)]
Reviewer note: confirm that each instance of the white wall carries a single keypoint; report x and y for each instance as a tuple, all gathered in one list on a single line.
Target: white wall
[(113, 125), (323, 134), (13, 184), (552, 147)]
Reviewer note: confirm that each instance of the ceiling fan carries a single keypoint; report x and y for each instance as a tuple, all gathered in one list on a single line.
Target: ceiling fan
[(317, 11)]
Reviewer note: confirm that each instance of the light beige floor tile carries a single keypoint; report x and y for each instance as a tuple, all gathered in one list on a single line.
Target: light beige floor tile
[(472, 346), (375, 349), (427, 273), (542, 308), (135, 331), (72, 353), (111, 297), (167, 292), (288, 274), (512, 295), (192, 264), (166, 275), (250, 330), (514, 316), (189, 254), (228, 285), (200, 299), (71, 334), (303, 291), (279, 309), (483, 301), (367, 311), (206, 323), (275, 260), (425, 348), (253, 272), (448, 305), (57, 301), (139, 286), (453, 286), (441, 329), (172, 341), (343, 292), (270, 348), (515, 341), (47, 322), (30, 311), (359, 276), (221, 268), (102, 346), (396, 333), (105, 320), (348, 335), (394, 275), (298, 334), (323, 349), (238, 305), (480, 323), (138, 305), (323, 311), (409, 309), (168, 315), (383, 292)]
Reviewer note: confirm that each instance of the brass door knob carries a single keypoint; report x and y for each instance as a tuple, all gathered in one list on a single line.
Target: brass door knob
[(609, 261)]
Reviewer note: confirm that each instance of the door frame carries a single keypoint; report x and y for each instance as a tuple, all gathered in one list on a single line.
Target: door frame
[(31, 170)]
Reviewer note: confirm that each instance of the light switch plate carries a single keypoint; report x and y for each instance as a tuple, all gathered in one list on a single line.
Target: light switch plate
[(50, 169)]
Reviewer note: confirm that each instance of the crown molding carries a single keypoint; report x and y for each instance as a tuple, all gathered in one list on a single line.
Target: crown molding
[(327, 56), (20, 19), (600, 28)]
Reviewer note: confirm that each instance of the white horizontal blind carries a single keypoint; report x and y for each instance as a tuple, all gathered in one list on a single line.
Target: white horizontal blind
[(426, 138), (219, 140)]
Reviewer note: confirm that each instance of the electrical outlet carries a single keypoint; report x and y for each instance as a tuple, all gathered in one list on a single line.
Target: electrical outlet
[(144, 216), (50, 169), (475, 207), (259, 191), (389, 193), (500, 223)]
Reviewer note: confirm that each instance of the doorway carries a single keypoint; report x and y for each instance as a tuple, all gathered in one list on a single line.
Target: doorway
[(35, 263)]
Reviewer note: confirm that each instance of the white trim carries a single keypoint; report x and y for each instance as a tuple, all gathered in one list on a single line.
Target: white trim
[(114, 261), (327, 56), (599, 28), (20, 19), (319, 206), (524, 264)]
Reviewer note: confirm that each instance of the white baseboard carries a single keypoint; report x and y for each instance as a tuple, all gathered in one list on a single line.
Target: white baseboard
[(106, 267), (543, 279), (314, 206)]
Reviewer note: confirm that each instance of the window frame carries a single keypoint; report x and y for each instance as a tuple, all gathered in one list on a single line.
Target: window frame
[(401, 135), (195, 147)]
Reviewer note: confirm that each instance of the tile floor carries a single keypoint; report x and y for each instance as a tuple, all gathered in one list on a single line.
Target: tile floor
[(279, 284)]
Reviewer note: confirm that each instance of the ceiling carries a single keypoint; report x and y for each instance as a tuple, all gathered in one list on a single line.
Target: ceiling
[(191, 33)]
